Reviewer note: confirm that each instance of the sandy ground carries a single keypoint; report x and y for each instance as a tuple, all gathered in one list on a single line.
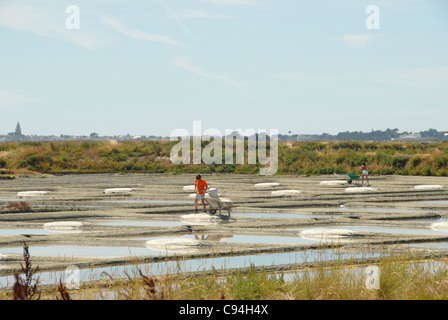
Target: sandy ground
[(80, 204)]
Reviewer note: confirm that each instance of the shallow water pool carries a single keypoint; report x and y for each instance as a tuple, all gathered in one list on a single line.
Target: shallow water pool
[(16, 232), (194, 265), (147, 201), (430, 245), (152, 223), (382, 210), (238, 238), (79, 251), (442, 202), (387, 229), (279, 215)]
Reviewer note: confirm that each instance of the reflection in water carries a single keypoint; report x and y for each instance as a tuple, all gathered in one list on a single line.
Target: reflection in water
[(442, 202), (213, 237), (280, 215)]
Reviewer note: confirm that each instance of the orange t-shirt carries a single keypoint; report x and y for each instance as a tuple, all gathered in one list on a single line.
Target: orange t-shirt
[(200, 186)]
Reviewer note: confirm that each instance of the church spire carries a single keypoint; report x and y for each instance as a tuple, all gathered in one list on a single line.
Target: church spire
[(18, 132)]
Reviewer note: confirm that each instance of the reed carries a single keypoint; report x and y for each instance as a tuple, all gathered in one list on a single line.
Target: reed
[(26, 288)]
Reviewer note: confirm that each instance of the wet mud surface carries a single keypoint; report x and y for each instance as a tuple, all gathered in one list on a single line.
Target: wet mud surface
[(98, 220)]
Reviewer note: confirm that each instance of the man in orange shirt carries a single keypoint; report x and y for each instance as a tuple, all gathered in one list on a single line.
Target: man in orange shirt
[(200, 186)]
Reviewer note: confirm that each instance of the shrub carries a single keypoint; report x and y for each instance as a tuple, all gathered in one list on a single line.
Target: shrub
[(33, 160), (225, 168), (441, 162), (427, 170), (352, 145), (415, 161), (400, 162), (294, 158)]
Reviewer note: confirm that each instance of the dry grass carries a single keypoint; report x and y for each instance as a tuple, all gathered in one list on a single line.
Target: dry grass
[(21, 206)]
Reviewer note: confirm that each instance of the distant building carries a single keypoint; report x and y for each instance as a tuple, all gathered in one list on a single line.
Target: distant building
[(17, 134), (410, 136)]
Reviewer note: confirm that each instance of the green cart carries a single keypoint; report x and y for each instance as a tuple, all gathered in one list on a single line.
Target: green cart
[(353, 177)]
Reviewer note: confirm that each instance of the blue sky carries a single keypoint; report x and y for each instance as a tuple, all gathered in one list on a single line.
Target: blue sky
[(150, 67)]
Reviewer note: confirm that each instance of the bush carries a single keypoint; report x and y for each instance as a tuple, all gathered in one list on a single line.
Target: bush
[(441, 162), (415, 161), (383, 159), (400, 162), (427, 170), (33, 160), (294, 158), (225, 168), (352, 145)]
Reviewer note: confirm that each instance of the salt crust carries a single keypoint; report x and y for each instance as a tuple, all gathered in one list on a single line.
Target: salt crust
[(267, 184), (117, 190), (285, 192), (31, 193)]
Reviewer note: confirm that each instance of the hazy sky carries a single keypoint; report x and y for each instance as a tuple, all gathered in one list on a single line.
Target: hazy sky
[(150, 67)]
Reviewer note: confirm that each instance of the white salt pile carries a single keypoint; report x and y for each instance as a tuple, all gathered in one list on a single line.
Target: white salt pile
[(267, 184), (117, 190), (203, 218), (359, 189), (428, 187), (286, 192), (440, 226), (333, 183), (188, 188), (63, 226), (31, 193), (327, 234)]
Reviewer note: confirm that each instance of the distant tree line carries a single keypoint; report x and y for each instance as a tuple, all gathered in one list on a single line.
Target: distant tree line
[(374, 135)]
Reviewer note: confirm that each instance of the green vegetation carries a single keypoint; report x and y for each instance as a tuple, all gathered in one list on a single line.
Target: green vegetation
[(309, 158)]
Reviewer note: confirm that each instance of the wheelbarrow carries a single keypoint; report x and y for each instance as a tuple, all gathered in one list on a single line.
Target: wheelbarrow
[(353, 177), (216, 203)]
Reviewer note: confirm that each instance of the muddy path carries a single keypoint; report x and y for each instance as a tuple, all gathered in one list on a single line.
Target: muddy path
[(153, 215)]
